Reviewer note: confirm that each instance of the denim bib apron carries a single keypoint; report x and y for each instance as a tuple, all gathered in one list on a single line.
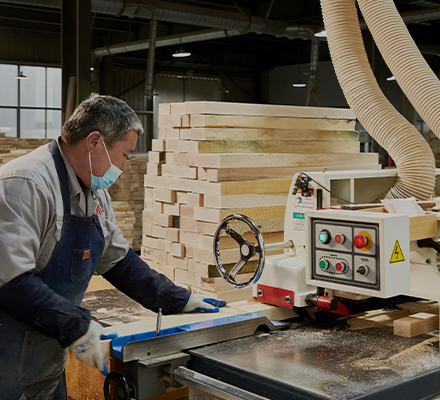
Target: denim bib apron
[(33, 363)]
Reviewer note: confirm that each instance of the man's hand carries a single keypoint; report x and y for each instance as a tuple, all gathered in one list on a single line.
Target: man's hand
[(197, 303), (88, 347)]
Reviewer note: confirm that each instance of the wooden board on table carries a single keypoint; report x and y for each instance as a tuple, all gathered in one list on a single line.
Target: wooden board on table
[(272, 146), (272, 134), (229, 108), (280, 160), (267, 122)]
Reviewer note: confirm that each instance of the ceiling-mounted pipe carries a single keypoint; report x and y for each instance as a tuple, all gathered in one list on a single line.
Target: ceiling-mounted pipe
[(151, 57), (172, 40), (191, 15), (178, 13)]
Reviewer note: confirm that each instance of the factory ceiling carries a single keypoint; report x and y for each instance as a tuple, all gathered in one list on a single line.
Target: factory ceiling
[(242, 54)]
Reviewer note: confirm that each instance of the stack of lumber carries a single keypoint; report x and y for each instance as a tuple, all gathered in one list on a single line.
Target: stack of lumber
[(215, 159), (11, 148), (128, 190), (125, 219)]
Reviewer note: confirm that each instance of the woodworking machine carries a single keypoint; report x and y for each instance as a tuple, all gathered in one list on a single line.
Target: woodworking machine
[(330, 256)]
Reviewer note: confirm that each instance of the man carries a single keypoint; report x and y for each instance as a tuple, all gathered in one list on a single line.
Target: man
[(57, 228)]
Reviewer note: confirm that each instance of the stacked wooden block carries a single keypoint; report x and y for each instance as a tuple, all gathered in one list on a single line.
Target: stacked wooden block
[(215, 159), (127, 195), (11, 148)]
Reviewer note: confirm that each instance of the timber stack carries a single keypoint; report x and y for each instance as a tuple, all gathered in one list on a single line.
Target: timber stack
[(12, 147), (214, 159), (127, 195)]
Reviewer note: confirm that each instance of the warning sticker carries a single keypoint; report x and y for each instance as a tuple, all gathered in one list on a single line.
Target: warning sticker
[(397, 255)]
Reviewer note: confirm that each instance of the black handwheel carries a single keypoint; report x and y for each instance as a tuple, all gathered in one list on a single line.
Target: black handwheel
[(123, 391), (247, 250)]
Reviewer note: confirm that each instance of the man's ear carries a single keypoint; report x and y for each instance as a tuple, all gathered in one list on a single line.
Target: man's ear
[(92, 140)]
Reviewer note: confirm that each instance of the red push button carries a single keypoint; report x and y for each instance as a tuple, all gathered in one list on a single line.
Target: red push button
[(360, 241), (339, 238), (341, 266)]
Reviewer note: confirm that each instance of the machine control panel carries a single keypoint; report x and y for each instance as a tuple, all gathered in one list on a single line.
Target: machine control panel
[(346, 252), (358, 252)]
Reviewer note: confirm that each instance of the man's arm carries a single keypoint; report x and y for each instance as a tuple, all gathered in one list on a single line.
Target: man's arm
[(148, 287), (28, 299)]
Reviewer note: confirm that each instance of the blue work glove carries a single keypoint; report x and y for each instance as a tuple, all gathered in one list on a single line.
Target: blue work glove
[(88, 347), (198, 302)]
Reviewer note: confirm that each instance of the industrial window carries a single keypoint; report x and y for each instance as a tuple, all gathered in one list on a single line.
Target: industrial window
[(30, 107)]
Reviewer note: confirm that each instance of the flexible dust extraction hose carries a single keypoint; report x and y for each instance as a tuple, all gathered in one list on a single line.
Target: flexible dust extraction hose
[(411, 153), (412, 73)]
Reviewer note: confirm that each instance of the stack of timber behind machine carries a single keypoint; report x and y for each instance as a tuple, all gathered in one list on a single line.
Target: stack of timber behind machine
[(128, 200), (215, 159), (11, 147)]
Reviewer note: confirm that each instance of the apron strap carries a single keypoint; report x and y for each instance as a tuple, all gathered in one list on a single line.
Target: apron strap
[(62, 175)]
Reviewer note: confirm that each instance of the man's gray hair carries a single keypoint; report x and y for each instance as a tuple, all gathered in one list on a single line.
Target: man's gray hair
[(108, 115)]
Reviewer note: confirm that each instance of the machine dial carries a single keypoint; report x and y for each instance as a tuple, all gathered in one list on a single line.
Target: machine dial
[(324, 236), (341, 266), (362, 270)]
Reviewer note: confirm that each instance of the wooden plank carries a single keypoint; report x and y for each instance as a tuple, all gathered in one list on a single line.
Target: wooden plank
[(270, 122), (164, 195), (416, 324), (273, 146), (226, 242), (272, 134), (266, 225), (225, 295), (281, 160), (157, 219), (230, 108), (243, 200), (254, 213), (165, 109), (158, 145), (423, 226)]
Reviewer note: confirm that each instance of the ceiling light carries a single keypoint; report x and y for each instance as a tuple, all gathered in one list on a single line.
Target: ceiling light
[(92, 68), (322, 33), (181, 53), (391, 78), (21, 75), (299, 85)]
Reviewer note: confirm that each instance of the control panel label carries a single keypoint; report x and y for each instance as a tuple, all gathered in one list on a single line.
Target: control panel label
[(299, 221), (397, 255)]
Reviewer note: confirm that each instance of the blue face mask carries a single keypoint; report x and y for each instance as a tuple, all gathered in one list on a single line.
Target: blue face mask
[(108, 179)]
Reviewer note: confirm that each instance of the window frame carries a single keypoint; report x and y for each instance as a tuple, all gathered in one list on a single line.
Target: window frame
[(20, 107)]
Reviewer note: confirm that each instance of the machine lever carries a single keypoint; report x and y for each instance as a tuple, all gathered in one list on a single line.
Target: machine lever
[(158, 322)]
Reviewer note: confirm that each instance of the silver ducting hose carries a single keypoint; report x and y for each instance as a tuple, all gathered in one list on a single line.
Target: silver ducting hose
[(412, 73), (410, 152)]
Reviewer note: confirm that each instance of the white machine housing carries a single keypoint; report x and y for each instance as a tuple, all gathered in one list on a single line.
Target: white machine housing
[(286, 281)]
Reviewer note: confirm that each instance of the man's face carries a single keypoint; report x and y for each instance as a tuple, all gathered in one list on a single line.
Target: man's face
[(118, 153)]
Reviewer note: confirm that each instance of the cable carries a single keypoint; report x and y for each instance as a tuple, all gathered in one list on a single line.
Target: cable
[(333, 194), (429, 243)]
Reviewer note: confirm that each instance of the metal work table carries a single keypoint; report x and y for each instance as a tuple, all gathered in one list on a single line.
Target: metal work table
[(326, 361)]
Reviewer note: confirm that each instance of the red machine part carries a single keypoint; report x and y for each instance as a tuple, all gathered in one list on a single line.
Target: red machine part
[(275, 296), (330, 304)]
